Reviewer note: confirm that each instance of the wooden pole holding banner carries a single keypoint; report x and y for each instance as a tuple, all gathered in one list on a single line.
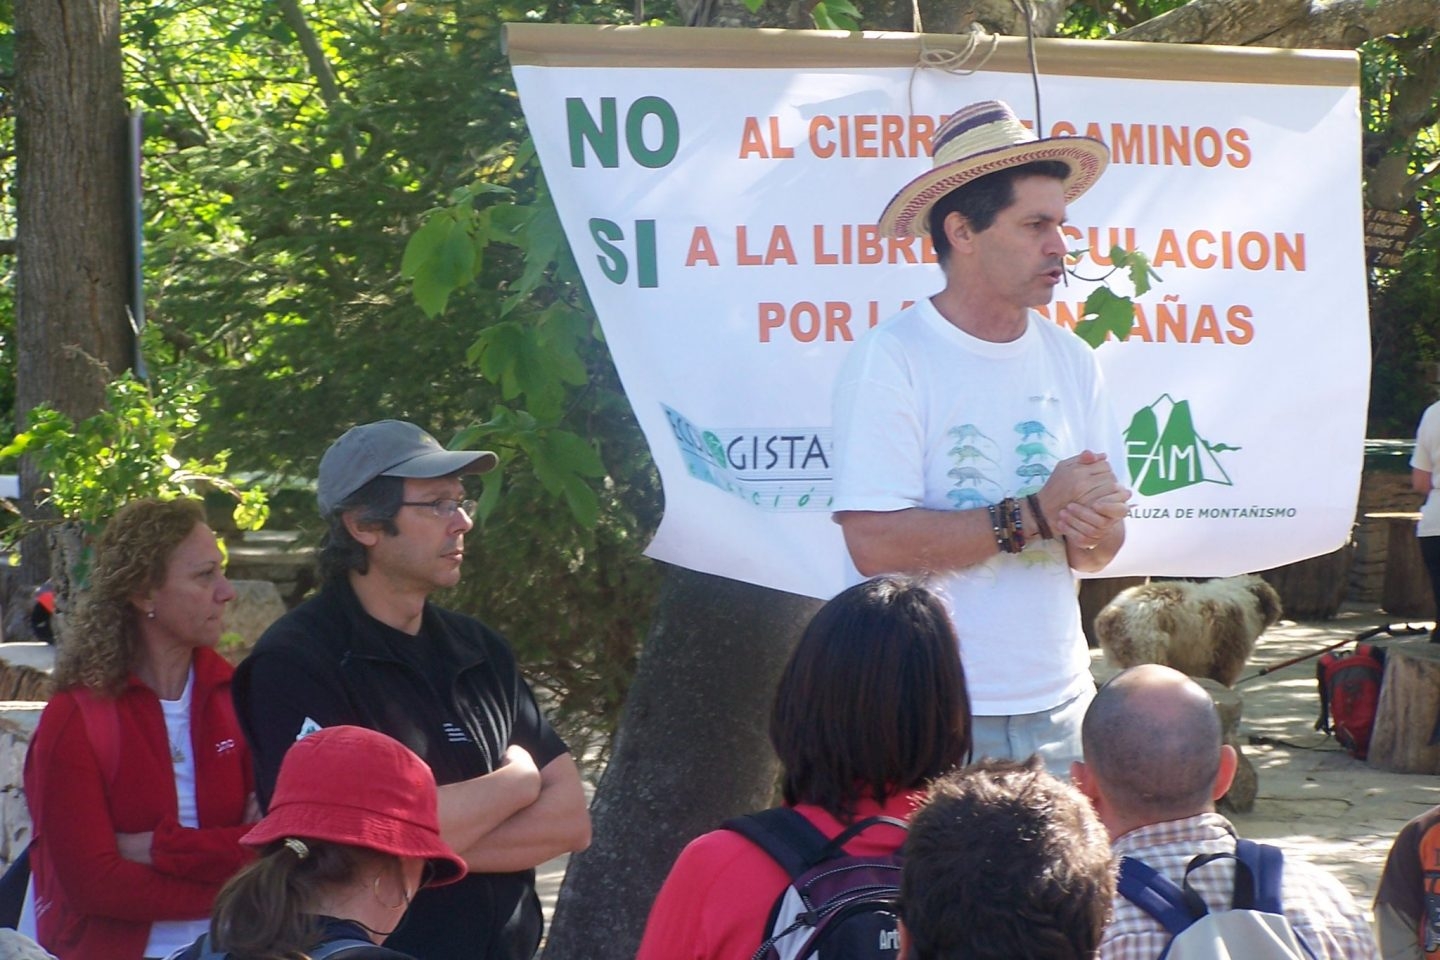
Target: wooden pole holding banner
[(580, 45)]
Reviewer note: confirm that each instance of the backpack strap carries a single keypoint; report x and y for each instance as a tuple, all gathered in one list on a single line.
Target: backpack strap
[(836, 847), (201, 950), (1172, 906), (1267, 867), (793, 841), (338, 948)]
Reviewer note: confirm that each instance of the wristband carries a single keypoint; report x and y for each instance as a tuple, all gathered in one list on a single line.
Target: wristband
[(1045, 532)]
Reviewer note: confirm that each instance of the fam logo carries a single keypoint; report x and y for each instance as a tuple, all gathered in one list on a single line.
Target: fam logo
[(773, 468), (1164, 451)]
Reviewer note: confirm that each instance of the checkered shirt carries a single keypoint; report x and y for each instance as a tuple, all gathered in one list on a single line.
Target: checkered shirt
[(1322, 911)]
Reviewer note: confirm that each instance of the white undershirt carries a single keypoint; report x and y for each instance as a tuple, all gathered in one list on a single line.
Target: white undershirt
[(167, 936)]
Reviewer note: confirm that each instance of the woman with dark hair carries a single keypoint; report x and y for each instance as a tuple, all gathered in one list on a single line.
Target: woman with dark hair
[(138, 779), (352, 834), (871, 707)]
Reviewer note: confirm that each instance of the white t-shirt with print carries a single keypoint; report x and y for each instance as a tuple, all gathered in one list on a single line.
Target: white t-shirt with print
[(928, 416)]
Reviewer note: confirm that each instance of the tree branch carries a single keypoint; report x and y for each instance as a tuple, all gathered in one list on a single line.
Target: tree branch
[(1325, 24), (314, 53), (319, 65), (1389, 184)]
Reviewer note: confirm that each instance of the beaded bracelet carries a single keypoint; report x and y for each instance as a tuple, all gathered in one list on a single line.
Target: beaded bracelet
[(1000, 539), (1045, 532), (1015, 527)]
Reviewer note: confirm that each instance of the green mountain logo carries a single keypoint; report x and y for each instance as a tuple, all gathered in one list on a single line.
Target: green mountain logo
[(1164, 453)]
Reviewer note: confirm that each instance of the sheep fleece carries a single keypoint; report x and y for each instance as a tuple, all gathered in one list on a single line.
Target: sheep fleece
[(1202, 629)]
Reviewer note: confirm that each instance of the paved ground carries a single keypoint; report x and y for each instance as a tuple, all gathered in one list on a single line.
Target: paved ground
[(1314, 799)]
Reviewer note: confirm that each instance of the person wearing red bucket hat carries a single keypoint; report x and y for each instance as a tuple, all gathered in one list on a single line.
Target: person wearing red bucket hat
[(370, 649), (352, 835), (974, 438)]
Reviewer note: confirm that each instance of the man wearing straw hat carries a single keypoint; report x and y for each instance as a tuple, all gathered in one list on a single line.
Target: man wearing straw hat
[(971, 434)]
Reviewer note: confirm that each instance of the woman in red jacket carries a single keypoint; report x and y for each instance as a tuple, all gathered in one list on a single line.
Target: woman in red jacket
[(871, 707), (138, 778)]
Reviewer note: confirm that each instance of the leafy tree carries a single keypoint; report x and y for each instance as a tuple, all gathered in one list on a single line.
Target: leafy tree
[(295, 155)]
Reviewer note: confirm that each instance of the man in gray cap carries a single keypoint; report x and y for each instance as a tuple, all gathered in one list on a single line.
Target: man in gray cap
[(371, 650)]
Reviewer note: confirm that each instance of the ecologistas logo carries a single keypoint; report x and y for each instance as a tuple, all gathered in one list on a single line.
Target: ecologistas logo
[(781, 469)]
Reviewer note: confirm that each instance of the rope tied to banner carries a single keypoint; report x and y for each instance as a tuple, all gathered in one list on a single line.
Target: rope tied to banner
[(955, 62)]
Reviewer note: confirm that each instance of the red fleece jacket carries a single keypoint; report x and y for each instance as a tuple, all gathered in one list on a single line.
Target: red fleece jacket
[(718, 896), (90, 903)]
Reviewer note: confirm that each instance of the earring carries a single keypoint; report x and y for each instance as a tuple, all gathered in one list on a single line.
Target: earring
[(404, 895), (149, 614)]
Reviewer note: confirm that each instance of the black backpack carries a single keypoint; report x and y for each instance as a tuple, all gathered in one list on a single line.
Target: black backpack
[(837, 907)]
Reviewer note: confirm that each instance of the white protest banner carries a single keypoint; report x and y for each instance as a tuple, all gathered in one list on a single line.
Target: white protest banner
[(720, 188)]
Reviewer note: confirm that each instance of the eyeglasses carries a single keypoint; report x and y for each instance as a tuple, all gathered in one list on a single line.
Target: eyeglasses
[(444, 509)]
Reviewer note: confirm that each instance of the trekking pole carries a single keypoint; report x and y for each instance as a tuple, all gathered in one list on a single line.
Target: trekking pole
[(1391, 629)]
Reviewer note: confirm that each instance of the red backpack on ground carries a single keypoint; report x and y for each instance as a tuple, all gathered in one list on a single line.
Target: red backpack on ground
[(1349, 693)]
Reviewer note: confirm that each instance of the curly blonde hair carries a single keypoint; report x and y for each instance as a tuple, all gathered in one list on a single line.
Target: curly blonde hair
[(99, 648)]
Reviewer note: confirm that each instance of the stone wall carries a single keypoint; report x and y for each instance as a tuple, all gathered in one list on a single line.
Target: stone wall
[(17, 723)]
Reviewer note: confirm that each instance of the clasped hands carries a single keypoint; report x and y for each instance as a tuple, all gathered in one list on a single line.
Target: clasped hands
[(1082, 499)]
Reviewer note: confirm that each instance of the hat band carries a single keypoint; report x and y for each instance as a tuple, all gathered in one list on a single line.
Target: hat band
[(966, 121)]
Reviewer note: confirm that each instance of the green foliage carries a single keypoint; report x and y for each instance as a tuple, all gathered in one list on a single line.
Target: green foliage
[(125, 452), (1107, 313), (836, 15), (1404, 312), (1099, 19), (382, 249), (559, 401)]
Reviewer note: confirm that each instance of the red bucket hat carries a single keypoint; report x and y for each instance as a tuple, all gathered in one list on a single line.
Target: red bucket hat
[(358, 787)]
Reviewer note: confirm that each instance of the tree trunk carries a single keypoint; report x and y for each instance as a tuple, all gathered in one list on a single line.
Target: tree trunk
[(693, 749), (71, 329), (1408, 714)]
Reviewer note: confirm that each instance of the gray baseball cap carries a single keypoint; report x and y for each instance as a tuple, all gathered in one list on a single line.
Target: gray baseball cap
[(389, 448)]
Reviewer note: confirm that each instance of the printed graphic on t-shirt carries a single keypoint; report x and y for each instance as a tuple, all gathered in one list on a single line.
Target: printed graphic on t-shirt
[(307, 728), (979, 476)]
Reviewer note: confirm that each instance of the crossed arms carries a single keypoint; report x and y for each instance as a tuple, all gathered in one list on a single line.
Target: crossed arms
[(516, 816)]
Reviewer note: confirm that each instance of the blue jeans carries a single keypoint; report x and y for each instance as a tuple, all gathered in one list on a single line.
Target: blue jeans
[(1053, 733)]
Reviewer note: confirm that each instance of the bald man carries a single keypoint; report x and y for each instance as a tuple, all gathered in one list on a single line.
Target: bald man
[(1154, 766)]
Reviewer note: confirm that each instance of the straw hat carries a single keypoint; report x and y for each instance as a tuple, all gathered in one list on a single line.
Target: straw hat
[(358, 787), (979, 139)]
